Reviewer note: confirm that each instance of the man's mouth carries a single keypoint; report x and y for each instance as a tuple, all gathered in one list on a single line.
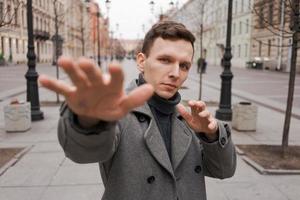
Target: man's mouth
[(170, 85)]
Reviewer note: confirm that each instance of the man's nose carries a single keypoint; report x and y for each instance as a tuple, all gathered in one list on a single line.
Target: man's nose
[(174, 71)]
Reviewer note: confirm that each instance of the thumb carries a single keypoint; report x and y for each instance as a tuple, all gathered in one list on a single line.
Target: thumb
[(137, 97), (186, 115)]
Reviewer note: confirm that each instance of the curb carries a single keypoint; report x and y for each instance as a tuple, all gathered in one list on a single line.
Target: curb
[(15, 159), (265, 171)]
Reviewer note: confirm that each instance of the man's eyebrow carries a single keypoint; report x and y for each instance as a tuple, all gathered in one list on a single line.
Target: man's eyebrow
[(165, 56), (186, 62)]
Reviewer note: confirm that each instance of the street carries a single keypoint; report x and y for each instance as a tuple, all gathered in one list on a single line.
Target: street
[(44, 173)]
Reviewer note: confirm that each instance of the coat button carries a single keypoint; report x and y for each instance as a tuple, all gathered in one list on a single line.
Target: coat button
[(198, 169), (223, 141), (150, 179), (141, 118)]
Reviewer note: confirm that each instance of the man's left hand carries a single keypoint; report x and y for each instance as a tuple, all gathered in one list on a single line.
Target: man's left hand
[(200, 119)]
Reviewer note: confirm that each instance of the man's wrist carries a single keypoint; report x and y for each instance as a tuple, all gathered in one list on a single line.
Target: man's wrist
[(87, 122), (212, 136)]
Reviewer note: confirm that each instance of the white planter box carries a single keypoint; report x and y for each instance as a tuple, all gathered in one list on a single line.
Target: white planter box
[(17, 117), (244, 116)]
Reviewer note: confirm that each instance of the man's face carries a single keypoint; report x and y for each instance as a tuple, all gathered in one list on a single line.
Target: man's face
[(167, 65)]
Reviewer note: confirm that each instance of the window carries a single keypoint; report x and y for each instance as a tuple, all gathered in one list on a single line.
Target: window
[(233, 31), (247, 26), (8, 11), (242, 5), (249, 5), (1, 10), (271, 14), (261, 16), (17, 46), (235, 7), (24, 46), (269, 47), (239, 50), (240, 28), (246, 50), (259, 48), (16, 16)]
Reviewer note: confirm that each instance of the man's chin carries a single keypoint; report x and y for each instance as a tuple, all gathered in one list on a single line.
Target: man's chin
[(165, 95)]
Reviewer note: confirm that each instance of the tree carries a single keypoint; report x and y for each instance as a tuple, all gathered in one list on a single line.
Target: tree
[(289, 9), (9, 14)]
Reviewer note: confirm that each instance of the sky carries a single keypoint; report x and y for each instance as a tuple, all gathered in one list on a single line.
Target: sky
[(132, 15)]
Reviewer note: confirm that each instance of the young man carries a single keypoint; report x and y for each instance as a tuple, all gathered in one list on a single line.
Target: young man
[(146, 148)]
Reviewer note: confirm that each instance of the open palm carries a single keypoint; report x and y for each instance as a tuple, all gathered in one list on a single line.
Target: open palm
[(93, 94)]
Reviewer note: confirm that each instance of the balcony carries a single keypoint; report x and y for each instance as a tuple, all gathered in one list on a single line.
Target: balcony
[(41, 35)]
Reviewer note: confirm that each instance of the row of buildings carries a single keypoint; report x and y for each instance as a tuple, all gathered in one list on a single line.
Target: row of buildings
[(77, 25), (260, 30)]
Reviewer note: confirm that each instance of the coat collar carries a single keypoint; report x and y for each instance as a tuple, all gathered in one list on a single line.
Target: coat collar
[(181, 138)]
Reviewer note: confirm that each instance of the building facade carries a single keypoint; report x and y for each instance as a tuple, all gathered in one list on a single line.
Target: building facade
[(75, 28), (271, 36), (215, 31)]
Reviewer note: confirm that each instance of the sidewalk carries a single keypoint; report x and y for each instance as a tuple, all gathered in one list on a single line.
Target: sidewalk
[(44, 173)]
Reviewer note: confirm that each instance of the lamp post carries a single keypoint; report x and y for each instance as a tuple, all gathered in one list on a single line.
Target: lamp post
[(224, 112), (98, 39), (107, 5), (32, 75), (111, 45)]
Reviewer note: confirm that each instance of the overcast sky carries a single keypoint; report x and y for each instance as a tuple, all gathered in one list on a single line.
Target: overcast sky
[(132, 14)]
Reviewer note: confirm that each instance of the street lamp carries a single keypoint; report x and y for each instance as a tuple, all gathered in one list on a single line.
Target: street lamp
[(152, 6), (224, 112), (32, 75), (171, 4)]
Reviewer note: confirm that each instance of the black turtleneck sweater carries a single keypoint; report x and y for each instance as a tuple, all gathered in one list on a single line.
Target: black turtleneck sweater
[(162, 110)]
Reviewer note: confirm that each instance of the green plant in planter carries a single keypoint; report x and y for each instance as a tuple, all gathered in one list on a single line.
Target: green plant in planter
[(2, 59)]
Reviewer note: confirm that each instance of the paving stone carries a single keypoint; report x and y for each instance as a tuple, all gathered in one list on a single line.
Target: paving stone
[(76, 192), (46, 147), (24, 193), (77, 174), (251, 190), (33, 169)]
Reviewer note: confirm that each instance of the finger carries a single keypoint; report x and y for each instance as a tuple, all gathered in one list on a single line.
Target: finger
[(77, 76), (213, 125), (186, 115), (204, 114), (55, 85), (137, 97), (201, 105), (117, 77), (92, 72)]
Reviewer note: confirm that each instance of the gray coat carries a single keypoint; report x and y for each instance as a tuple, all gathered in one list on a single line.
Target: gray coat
[(134, 162)]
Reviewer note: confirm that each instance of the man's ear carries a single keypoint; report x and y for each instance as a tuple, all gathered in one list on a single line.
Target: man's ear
[(141, 60)]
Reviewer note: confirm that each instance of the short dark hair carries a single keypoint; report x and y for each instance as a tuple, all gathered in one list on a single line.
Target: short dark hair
[(167, 30)]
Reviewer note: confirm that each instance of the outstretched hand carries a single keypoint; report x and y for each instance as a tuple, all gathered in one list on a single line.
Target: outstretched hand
[(200, 119), (93, 94)]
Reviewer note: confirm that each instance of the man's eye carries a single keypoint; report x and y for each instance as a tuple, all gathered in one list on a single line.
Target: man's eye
[(164, 60), (184, 66)]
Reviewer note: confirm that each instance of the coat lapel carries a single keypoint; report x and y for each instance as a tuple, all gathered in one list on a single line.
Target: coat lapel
[(157, 147), (154, 140), (181, 140)]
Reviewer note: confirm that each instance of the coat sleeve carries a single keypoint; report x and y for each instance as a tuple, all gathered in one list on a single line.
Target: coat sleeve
[(96, 144), (219, 157)]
